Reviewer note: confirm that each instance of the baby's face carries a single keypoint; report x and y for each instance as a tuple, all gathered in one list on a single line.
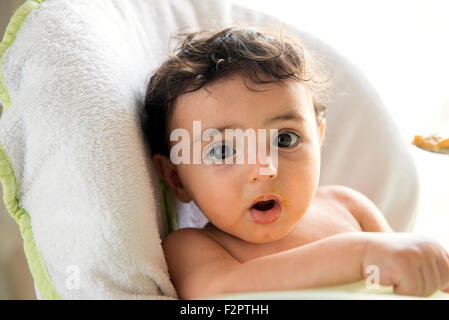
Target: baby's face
[(226, 192)]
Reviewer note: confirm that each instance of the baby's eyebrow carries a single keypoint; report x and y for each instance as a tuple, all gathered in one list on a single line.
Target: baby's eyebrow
[(291, 115), (221, 129)]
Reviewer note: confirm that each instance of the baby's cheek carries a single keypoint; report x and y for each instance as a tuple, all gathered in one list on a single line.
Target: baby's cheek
[(300, 186), (207, 193), (224, 203)]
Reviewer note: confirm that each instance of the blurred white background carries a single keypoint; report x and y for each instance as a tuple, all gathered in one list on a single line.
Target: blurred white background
[(403, 49)]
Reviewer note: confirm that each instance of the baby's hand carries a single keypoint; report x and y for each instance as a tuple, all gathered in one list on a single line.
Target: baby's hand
[(414, 265)]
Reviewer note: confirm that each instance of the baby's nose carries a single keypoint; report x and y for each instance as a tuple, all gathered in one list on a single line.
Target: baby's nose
[(262, 172)]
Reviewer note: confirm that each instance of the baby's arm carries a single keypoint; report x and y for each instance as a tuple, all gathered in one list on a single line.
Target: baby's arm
[(199, 266)]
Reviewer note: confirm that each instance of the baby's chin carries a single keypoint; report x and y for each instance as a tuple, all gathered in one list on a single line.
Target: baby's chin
[(248, 230), (265, 240), (268, 235)]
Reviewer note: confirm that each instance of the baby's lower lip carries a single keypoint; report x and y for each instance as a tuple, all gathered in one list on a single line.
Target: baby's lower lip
[(265, 217)]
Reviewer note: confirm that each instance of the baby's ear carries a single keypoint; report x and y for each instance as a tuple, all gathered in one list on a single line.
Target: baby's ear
[(322, 131), (169, 173)]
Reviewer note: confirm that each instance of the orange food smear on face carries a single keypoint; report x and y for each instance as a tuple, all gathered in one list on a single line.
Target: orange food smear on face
[(284, 202), (434, 143)]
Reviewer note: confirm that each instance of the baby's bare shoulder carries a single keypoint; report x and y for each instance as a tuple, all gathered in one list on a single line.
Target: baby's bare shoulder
[(360, 206), (188, 239), (183, 233), (346, 196), (336, 191), (336, 196), (193, 258)]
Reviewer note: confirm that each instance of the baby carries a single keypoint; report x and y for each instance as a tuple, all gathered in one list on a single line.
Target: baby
[(271, 226)]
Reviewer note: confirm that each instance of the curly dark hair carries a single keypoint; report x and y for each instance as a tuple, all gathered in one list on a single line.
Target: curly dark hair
[(263, 56)]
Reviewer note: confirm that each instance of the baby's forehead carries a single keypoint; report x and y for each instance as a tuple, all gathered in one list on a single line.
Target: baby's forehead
[(231, 99)]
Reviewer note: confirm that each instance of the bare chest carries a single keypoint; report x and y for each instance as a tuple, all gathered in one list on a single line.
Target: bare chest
[(318, 223)]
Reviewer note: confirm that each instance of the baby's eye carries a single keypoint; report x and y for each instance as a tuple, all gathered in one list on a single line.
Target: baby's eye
[(287, 139), (220, 151)]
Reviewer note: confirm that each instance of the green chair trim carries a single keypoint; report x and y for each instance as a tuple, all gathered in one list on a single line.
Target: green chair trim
[(7, 176)]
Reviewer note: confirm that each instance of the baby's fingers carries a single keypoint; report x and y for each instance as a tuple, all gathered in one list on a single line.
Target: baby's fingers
[(431, 276), (411, 283), (443, 269)]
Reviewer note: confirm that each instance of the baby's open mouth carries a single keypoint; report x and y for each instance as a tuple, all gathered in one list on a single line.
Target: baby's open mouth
[(264, 205), (265, 211)]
